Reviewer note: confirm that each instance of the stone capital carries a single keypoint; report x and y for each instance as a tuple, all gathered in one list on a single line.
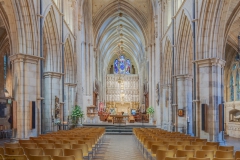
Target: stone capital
[(183, 76), (25, 58), (71, 84), (210, 62), (52, 75)]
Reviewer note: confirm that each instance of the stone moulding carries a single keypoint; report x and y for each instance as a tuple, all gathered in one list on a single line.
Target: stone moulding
[(53, 74), (234, 104), (210, 62), (25, 57)]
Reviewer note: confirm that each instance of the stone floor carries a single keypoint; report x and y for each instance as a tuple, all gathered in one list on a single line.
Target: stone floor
[(230, 141), (119, 147)]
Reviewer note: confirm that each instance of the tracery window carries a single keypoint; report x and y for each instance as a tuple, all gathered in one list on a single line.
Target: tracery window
[(122, 65), (231, 88), (238, 85), (5, 65)]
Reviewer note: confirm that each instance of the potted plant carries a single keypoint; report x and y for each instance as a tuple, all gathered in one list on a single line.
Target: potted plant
[(150, 111), (77, 114)]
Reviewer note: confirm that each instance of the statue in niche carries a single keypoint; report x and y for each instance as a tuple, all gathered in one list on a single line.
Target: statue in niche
[(157, 94), (57, 108)]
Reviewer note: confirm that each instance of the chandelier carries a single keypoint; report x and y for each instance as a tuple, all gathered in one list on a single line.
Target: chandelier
[(119, 51)]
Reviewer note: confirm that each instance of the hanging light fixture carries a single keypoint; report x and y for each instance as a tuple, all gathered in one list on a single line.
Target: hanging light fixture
[(119, 51)]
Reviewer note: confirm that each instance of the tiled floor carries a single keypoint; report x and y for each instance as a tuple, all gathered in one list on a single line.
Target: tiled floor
[(119, 147), (230, 141)]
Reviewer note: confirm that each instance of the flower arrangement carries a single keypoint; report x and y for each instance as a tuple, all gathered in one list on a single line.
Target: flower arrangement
[(150, 111), (77, 113)]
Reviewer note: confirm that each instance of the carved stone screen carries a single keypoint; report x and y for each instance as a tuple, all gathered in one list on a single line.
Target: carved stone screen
[(122, 92)]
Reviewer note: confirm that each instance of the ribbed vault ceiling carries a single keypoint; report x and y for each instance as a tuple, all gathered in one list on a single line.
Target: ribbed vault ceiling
[(134, 28)]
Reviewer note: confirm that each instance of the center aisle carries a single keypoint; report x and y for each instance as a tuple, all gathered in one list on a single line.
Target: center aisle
[(119, 147)]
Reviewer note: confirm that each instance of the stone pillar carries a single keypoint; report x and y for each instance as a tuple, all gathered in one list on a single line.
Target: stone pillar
[(51, 89), (25, 71), (184, 101), (210, 93), (70, 98)]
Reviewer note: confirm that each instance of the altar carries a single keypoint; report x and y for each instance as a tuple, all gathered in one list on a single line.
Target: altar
[(123, 107)]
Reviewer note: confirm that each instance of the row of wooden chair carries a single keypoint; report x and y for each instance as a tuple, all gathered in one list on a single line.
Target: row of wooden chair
[(157, 143), (57, 145)]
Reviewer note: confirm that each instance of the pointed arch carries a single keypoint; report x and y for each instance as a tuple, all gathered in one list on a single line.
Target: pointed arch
[(69, 62), (167, 63), (51, 43), (184, 53)]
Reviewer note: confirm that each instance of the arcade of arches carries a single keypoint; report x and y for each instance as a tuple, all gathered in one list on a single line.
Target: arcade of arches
[(121, 56)]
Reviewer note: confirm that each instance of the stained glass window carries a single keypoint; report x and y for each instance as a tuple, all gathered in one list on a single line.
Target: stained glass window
[(238, 85), (231, 88), (122, 65), (5, 62)]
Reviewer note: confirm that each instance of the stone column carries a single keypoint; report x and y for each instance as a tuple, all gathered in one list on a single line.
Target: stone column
[(164, 107), (25, 70), (51, 89), (70, 98), (184, 101), (210, 93)]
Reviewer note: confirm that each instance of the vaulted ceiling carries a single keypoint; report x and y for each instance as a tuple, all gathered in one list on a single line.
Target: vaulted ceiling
[(132, 17)]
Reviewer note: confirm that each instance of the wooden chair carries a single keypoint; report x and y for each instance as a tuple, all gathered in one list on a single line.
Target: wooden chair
[(175, 148), (210, 148), (34, 152), (14, 151), (198, 158), (212, 144), (205, 154), (223, 159), (156, 147), (70, 142), (237, 154), (175, 158), (1, 157), (11, 145), (77, 153), (193, 147), (183, 143), (25, 141), (29, 145), (224, 154), (53, 152), (161, 154), (201, 140), (16, 157), (84, 148), (42, 157), (63, 146), (226, 148), (2, 151), (63, 158), (55, 141), (185, 153), (38, 141), (46, 145), (203, 143)]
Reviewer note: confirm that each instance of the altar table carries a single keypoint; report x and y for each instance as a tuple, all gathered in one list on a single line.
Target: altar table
[(119, 118)]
